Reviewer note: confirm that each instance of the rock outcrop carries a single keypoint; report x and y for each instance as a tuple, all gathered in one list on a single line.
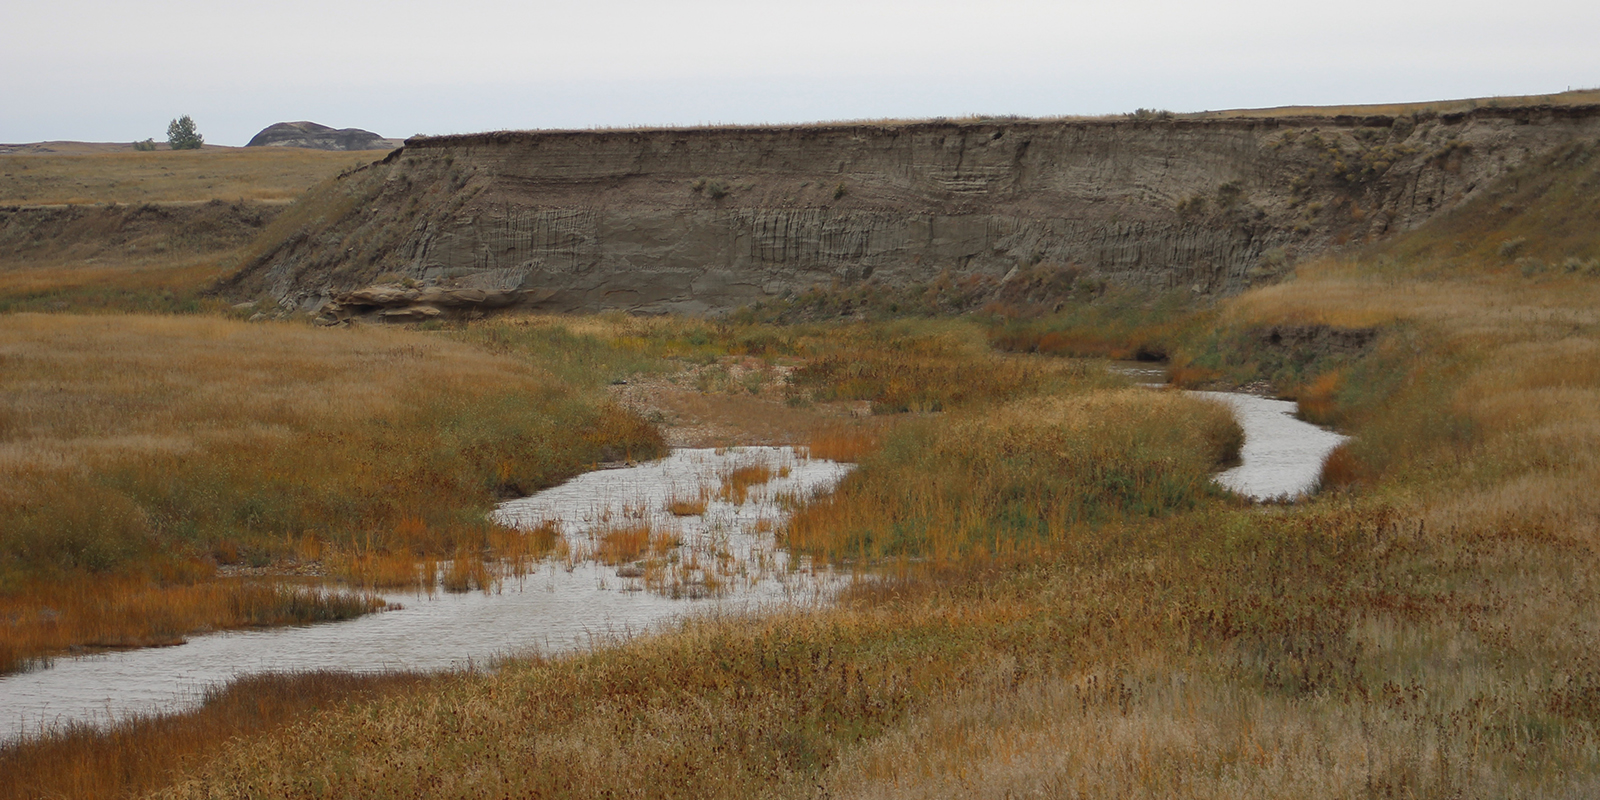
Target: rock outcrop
[(702, 220), (320, 137)]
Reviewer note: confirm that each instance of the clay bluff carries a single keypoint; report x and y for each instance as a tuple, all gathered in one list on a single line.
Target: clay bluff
[(710, 219)]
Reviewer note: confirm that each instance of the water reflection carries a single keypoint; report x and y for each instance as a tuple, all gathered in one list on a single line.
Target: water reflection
[(1282, 456)]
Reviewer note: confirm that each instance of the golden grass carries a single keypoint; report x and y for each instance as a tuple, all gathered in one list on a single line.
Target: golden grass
[(1412, 641), (268, 174), (737, 482), (625, 544), (1220, 655), (844, 442), (41, 617), (138, 755), (131, 442), (688, 506), (124, 258), (1577, 97), (1020, 477)]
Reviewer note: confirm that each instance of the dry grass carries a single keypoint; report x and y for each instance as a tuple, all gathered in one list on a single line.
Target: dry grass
[(128, 443), (844, 442), (1416, 640), (42, 617), (737, 482), (144, 753), (142, 232), (1576, 97), (689, 506), (624, 544), (1020, 477), (1224, 654), (267, 174), (141, 257)]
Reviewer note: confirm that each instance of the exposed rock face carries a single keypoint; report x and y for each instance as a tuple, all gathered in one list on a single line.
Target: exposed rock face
[(320, 137), (703, 220)]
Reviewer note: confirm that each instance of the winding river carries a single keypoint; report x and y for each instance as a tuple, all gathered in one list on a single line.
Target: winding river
[(561, 605), (724, 561)]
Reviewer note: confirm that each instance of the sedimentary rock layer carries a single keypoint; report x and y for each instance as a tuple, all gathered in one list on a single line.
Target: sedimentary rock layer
[(700, 220)]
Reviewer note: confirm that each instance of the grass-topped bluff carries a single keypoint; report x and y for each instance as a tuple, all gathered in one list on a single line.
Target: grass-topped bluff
[(711, 219), (1061, 603)]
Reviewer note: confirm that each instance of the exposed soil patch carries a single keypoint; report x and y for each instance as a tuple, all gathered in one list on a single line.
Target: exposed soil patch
[(736, 401)]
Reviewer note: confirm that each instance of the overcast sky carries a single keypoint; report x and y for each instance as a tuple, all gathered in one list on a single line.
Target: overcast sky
[(115, 70)]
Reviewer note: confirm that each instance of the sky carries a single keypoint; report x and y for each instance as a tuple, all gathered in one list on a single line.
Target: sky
[(113, 70)]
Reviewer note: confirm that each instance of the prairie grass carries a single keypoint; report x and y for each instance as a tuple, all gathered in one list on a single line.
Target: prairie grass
[(130, 444), (140, 754), (266, 174), (927, 369), (466, 571), (1409, 639), (844, 442), (1576, 97), (140, 258), (1016, 478), (1218, 654), (628, 543), (1121, 324), (39, 617), (143, 232), (400, 569)]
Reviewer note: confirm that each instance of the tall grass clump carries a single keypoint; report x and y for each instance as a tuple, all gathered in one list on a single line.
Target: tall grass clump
[(133, 756), (41, 617), (1018, 477), (925, 370), (1121, 324)]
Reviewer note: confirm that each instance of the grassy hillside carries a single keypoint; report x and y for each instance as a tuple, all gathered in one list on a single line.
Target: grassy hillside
[(142, 232), (261, 174), (1577, 97)]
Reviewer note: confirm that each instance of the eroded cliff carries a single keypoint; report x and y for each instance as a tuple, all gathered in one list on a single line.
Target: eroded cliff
[(698, 220)]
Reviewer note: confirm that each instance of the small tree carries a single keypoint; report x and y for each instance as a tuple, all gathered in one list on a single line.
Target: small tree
[(181, 134)]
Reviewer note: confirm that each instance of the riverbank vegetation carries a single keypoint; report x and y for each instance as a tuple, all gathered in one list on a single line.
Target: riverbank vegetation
[(159, 450)]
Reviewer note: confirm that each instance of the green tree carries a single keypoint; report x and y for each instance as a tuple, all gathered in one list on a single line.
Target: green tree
[(181, 134)]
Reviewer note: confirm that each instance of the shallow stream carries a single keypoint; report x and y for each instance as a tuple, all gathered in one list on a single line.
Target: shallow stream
[(724, 561)]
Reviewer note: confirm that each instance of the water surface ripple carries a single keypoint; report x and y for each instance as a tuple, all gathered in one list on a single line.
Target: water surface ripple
[(1282, 456)]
